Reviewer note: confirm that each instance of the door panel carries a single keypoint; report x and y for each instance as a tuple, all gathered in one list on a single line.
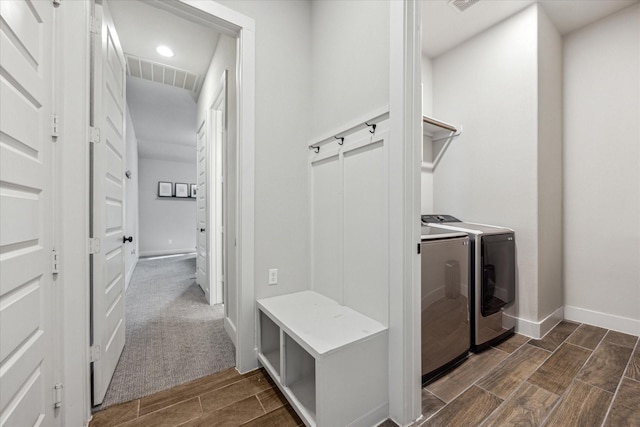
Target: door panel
[(107, 198), (26, 228), (202, 275)]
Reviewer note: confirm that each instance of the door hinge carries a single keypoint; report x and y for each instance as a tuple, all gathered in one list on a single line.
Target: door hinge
[(56, 3), (54, 126), (95, 26), (94, 353), (57, 395), (418, 248), (94, 246), (54, 261), (94, 135)]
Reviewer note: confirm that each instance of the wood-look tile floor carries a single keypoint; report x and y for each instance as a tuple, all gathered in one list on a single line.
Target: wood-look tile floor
[(577, 375), (226, 398)]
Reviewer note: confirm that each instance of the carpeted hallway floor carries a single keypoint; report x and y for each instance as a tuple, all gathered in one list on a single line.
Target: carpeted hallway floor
[(172, 334)]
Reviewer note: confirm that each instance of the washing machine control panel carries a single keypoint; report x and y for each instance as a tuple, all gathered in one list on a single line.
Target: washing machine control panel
[(436, 218)]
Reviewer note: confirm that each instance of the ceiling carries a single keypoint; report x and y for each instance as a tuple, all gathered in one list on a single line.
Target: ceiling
[(443, 27), (142, 27), (163, 115), (164, 120)]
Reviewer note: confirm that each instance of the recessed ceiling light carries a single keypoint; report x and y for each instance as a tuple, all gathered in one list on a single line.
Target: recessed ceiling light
[(164, 51)]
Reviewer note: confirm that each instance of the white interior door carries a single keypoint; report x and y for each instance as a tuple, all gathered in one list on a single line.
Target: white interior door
[(202, 275), (220, 204), (26, 212), (107, 204)]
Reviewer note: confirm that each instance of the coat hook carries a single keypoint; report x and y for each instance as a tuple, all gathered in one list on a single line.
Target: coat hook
[(316, 149), (373, 125), (340, 138)]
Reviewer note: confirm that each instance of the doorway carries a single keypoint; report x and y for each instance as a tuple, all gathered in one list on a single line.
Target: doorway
[(158, 74)]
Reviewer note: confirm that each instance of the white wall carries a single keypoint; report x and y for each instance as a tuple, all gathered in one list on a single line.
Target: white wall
[(167, 225), (131, 200), (602, 172), (488, 85), (549, 164), (350, 61), (282, 130), (426, 174)]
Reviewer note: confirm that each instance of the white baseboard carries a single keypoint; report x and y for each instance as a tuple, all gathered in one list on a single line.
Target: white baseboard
[(539, 329), (161, 252), (230, 329), (127, 279), (373, 417), (603, 320)]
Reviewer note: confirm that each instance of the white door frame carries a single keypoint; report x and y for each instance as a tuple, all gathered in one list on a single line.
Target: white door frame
[(216, 141), (73, 84), (405, 105)]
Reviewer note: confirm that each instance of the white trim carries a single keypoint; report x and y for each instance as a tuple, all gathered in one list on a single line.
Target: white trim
[(72, 87), (230, 329), (603, 320), (353, 126), (539, 329), (405, 148), (127, 280), (372, 418), (161, 252)]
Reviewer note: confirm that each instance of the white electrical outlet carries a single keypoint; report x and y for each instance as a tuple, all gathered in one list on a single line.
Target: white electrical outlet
[(273, 276)]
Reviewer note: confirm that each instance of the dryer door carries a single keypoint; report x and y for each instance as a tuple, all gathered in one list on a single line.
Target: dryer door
[(498, 272)]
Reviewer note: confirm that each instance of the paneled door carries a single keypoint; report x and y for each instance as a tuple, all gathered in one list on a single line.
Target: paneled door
[(202, 258), (27, 264), (107, 215)]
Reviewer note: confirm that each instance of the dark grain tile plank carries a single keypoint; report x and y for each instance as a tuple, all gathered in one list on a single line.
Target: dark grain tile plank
[(191, 389), (528, 406), (170, 416), (605, 367), (587, 336), (633, 371), (455, 382), (619, 338), (230, 416), (470, 408), (235, 392), (513, 371), (281, 417), (557, 372), (272, 399), (556, 336), (583, 405), (116, 414), (625, 410), (512, 343), (430, 404)]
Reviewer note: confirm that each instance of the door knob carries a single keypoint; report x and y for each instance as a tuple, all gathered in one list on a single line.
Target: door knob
[(202, 230), (126, 239)]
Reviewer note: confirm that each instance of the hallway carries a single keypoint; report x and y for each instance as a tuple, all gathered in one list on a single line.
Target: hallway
[(172, 334)]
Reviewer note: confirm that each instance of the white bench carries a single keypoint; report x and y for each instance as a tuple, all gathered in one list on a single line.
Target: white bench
[(330, 361)]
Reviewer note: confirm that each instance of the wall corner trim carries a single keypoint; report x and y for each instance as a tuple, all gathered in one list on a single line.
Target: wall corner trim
[(539, 329)]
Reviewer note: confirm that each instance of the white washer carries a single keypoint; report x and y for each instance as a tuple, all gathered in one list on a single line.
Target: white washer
[(492, 278)]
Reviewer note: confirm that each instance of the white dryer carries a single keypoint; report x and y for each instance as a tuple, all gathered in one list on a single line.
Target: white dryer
[(492, 279)]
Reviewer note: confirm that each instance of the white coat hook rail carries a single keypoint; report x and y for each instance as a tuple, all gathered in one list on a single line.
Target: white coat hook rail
[(370, 121)]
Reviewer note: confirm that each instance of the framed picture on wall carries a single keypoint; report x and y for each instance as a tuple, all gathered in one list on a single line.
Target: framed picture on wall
[(182, 190), (165, 189), (194, 190)]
